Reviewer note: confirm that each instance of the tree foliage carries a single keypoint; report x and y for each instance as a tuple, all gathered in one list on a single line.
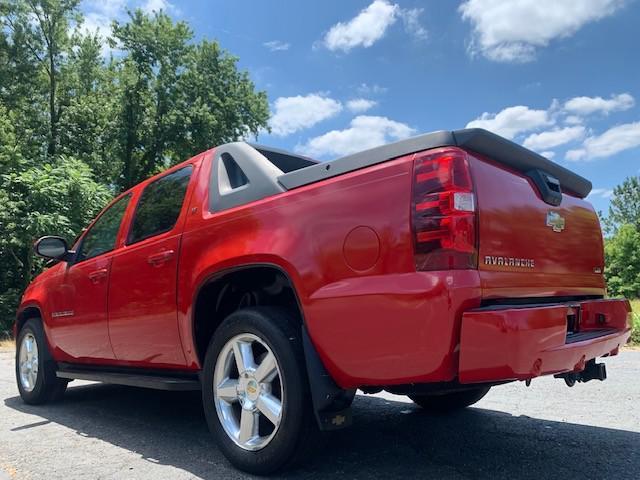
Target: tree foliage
[(625, 205), (78, 126), (622, 253), (622, 246)]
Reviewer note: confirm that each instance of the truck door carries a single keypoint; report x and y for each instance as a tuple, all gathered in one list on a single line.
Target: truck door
[(79, 303), (142, 295)]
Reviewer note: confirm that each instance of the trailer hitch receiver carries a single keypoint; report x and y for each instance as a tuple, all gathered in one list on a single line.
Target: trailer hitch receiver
[(592, 371)]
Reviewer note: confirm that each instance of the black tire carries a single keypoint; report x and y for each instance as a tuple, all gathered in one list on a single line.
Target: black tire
[(48, 387), (297, 435), (449, 402)]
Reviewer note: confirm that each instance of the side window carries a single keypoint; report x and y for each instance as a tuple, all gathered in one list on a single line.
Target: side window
[(101, 237), (160, 205)]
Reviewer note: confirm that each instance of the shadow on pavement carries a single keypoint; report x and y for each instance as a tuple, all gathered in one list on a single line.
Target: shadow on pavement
[(388, 439)]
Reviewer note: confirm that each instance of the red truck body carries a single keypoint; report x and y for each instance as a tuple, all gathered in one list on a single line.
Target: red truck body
[(346, 245), (524, 297)]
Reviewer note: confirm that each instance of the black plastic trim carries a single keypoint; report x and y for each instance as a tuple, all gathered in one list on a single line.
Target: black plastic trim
[(548, 186), (331, 404), (285, 161), (366, 158), (476, 140), (519, 158), (528, 302), (163, 380), (589, 335)]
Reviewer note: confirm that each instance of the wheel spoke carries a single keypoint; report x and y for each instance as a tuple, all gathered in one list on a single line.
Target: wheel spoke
[(248, 426), (29, 348), (267, 369), (243, 355), (228, 390), (270, 407)]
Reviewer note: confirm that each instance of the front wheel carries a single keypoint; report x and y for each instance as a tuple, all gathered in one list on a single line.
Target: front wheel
[(35, 368), (255, 391), (448, 402)]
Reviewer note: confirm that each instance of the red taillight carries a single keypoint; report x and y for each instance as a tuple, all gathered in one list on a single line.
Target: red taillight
[(443, 211)]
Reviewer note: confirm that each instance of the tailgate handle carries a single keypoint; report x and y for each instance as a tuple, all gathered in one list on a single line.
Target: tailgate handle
[(548, 186)]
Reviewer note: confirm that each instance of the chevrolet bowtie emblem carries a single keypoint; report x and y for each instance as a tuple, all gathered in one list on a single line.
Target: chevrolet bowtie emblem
[(338, 420), (555, 221)]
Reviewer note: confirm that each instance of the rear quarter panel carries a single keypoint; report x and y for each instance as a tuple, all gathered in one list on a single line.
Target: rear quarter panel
[(373, 319)]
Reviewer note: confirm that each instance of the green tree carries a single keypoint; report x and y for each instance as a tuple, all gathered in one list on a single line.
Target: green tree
[(622, 254), (178, 98), (37, 200), (625, 205), (217, 103), (42, 28), (75, 127), (89, 121)]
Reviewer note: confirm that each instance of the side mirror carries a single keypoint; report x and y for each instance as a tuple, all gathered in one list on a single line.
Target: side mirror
[(51, 247)]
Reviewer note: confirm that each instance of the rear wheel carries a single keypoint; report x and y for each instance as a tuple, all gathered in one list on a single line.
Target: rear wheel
[(35, 368), (448, 402), (255, 391)]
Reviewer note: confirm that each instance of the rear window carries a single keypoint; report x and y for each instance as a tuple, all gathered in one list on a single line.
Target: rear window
[(159, 205)]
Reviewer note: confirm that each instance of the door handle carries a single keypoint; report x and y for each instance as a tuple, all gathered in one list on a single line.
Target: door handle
[(158, 259), (98, 275)]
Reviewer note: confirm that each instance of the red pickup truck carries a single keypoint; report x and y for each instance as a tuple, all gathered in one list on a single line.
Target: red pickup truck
[(435, 267)]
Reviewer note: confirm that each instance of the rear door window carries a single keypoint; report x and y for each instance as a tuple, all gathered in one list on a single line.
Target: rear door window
[(160, 205)]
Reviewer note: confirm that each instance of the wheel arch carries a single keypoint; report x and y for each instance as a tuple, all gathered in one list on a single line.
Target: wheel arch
[(26, 312), (248, 284), (330, 402)]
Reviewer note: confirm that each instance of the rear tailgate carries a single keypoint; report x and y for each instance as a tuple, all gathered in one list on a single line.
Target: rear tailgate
[(531, 248)]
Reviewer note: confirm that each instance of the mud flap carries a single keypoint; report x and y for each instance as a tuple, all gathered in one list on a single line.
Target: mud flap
[(331, 404)]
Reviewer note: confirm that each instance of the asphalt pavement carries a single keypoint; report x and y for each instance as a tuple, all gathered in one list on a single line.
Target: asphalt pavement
[(544, 431)]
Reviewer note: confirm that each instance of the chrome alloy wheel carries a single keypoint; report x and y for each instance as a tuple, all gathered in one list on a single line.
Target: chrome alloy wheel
[(28, 362), (248, 391)]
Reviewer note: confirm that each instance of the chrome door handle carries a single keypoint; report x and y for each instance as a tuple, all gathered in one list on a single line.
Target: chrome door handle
[(159, 258)]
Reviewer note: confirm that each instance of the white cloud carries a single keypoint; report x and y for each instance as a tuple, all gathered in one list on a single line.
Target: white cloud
[(375, 89), (364, 29), (573, 120), (296, 113), (548, 154), (359, 105), (553, 138), (277, 45), (600, 192), (589, 105), (364, 132), (511, 31), (150, 6), (98, 15), (512, 121), (614, 140), (412, 25)]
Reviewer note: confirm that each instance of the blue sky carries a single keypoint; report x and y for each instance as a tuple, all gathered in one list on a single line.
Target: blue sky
[(561, 77)]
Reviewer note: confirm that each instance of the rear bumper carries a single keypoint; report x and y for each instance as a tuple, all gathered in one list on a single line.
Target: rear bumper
[(522, 342)]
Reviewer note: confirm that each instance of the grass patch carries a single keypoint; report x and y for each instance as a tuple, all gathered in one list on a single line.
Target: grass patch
[(635, 332)]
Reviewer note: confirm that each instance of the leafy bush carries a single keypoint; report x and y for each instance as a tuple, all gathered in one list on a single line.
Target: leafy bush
[(635, 333), (622, 253)]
